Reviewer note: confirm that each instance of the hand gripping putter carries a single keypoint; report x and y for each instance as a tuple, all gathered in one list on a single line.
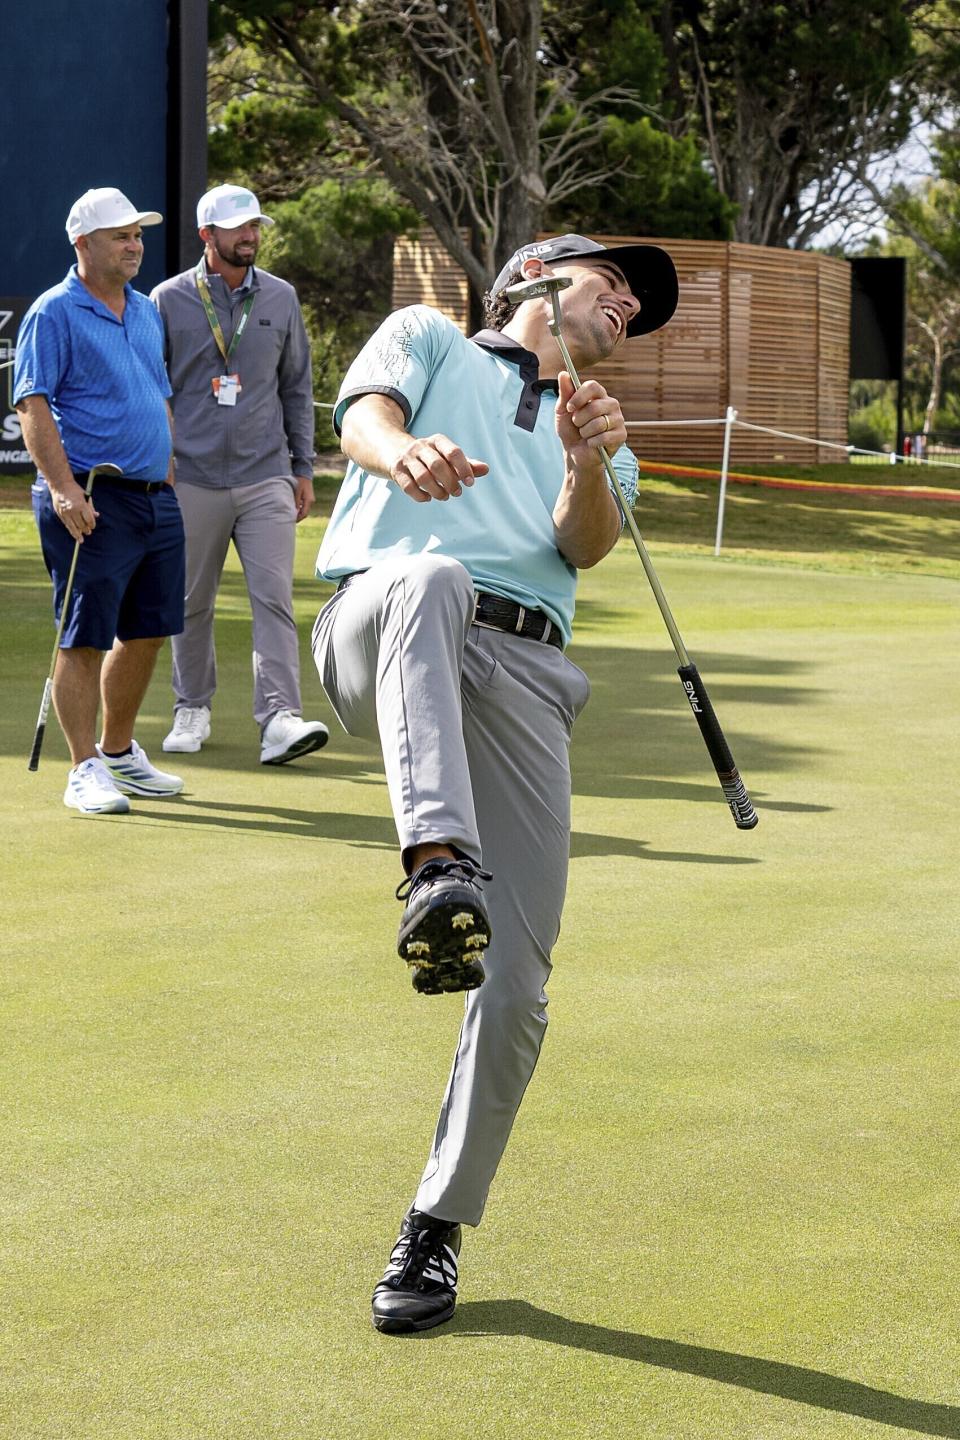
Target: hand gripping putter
[(734, 790), (34, 761)]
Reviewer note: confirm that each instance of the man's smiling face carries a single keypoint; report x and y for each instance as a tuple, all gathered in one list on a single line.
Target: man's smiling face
[(235, 246), (597, 307)]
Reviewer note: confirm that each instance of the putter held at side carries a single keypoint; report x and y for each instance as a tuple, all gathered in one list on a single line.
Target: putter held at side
[(734, 791), (104, 468)]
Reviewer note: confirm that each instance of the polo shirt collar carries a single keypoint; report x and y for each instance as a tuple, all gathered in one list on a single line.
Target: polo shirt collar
[(525, 359), (80, 295), (528, 365), (250, 281)]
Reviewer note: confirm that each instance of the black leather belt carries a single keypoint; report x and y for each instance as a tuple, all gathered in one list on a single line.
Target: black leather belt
[(496, 613), (142, 487)]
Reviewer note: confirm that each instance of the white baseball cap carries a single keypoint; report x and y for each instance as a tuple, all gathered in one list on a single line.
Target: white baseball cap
[(229, 206), (105, 209)]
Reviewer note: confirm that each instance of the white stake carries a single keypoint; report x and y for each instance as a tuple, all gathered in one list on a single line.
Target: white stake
[(728, 427)]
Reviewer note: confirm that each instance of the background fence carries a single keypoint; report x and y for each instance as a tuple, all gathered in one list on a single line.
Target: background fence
[(765, 331)]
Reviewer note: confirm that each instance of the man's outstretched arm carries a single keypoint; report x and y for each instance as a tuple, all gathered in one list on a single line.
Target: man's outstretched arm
[(429, 467)]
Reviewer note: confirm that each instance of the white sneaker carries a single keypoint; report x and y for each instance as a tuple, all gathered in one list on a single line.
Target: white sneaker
[(90, 788), (134, 773), (191, 726), (287, 736)]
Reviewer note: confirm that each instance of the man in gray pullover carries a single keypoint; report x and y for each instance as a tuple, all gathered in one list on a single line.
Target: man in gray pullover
[(239, 364)]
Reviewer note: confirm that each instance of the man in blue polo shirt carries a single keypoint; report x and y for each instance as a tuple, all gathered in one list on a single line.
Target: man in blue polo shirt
[(90, 388), (474, 495)]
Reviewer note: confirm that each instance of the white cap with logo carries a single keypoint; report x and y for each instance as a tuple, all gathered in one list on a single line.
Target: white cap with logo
[(229, 206), (105, 209)]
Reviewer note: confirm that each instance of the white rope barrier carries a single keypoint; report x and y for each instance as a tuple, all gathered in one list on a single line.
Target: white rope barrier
[(891, 457), (643, 424), (788, 435), (730, 421)]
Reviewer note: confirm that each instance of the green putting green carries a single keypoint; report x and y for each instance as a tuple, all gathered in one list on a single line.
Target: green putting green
[(728, 1211)]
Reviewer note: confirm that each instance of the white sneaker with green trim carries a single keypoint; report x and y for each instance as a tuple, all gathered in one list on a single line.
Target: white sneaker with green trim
[(133, 773), (90, 789)]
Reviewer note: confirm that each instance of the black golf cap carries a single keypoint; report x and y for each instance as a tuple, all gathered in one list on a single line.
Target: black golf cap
[(648, 270)]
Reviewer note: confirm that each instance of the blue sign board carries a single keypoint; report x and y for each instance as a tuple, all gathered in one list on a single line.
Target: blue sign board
[(84, 104), (110, 92)]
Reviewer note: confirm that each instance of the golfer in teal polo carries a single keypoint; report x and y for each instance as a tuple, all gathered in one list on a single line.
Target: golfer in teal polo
[(474, 495)]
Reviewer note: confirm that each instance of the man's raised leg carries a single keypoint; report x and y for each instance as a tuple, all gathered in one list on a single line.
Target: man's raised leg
[(389, 649)]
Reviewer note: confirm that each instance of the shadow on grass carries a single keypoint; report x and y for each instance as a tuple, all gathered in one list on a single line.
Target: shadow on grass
[(229, 755), (637, 733), (365, 830), (583, 845), (748, 1372), (644, 788), (374, 831)]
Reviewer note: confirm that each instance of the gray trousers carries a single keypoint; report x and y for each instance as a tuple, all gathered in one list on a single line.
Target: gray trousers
[(260, 519), (475, 727)]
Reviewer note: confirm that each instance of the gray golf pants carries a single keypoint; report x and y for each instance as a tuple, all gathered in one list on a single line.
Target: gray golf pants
[(260, 519), (475, 726)]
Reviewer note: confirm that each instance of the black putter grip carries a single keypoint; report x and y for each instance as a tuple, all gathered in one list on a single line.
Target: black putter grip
[(34, 760), (734, 790)]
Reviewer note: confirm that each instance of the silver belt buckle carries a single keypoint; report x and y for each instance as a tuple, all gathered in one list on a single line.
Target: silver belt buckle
[(521, 616), (484, 624)]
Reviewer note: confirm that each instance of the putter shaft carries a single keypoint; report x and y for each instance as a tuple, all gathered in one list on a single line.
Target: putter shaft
[(645, 560), (734, 791)]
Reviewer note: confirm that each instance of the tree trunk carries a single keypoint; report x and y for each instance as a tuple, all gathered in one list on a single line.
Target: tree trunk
[(936, 381)]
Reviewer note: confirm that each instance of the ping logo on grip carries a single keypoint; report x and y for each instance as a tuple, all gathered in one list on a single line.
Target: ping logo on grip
[(692, 697)]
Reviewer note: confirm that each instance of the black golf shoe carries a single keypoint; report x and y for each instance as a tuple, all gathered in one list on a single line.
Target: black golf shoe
[(445, 929), (419, 1286)]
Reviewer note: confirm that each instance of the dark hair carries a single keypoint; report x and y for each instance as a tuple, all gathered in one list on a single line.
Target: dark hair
[(497, 309)]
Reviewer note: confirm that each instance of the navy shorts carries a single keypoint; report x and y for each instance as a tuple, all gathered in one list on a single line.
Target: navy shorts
[(129, 582)]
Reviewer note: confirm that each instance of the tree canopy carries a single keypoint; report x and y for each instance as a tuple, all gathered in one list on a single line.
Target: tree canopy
[(493, 120), (790, 99), (490, 119)]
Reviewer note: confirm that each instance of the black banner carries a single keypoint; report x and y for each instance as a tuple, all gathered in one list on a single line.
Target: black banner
[(14, 459), (878, 317)]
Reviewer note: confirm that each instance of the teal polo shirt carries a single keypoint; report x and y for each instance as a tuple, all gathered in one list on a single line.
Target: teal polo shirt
[(103, 377), (486, 395)]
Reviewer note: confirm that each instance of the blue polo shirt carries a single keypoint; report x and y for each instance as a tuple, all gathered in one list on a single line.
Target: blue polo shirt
[(485, 394), (103, 377)]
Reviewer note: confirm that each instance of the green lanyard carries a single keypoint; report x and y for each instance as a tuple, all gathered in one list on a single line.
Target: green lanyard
[(204, 289)]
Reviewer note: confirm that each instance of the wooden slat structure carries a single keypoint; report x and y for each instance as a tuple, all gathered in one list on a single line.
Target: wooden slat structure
[(424, 274), (764, 330)]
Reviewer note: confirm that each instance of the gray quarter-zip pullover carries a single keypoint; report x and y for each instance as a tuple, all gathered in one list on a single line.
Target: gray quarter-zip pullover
[(269, 432)]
